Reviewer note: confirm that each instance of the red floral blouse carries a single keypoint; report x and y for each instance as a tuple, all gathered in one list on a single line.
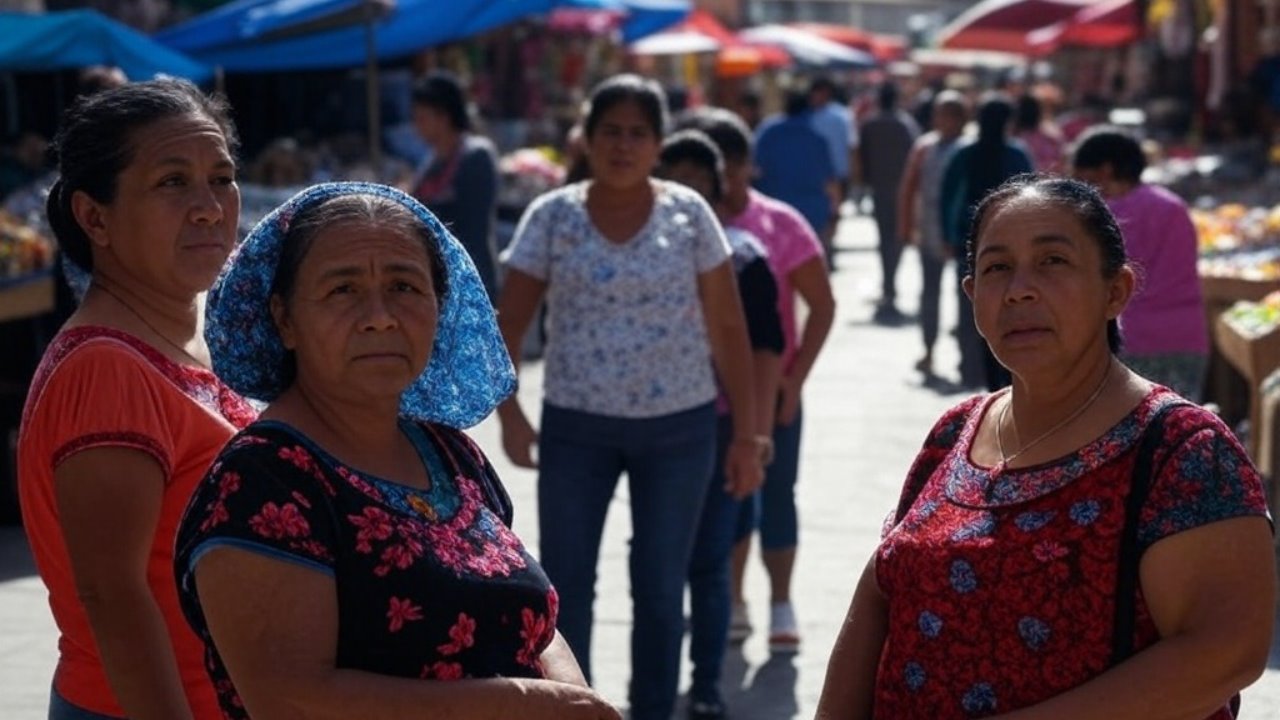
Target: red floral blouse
[(1001, 584), (431, 583)]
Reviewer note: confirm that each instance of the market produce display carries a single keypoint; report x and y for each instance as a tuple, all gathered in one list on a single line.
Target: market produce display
[(1239, 242), (23, 250), (1255, 319)]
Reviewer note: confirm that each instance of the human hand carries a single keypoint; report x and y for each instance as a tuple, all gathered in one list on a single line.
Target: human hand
[(565, 701), (519, 439), (788, 400), (744, 473)]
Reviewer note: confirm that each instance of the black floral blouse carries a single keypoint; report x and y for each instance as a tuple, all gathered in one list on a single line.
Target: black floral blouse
[(431, 583)]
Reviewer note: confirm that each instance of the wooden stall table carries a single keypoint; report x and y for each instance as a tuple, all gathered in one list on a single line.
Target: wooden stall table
[(1255, 356), (1225, 383)]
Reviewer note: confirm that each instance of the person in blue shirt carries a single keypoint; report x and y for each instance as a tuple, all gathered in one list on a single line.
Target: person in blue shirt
[(794, 165)]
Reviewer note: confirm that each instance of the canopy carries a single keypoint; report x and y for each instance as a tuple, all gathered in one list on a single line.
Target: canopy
[(271, 35), (806, 48), (635, 18), (82, 38), (702, 32), (1004, 25), (884, 48), (251, 36), (1106, 24)]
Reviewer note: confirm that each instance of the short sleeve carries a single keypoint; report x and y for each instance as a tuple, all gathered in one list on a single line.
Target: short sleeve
[(759, 292), (104, 394), (530, 250), (942, 438), (801, 246), (264, 497), (711, 247), (1206, 478)]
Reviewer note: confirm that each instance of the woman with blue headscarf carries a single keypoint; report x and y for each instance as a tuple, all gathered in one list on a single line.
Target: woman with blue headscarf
[(349, 554)]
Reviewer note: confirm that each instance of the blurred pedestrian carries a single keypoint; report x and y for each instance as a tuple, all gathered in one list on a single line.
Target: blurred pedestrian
[(351, 550), (795, 255), (1165, 332), (641, 303), (794, 165), (460, 183), (973, 171), (1042, 142), (887, 138), (833, 121), (1084, 544), (124, 414), (690, 158), (919, 222)]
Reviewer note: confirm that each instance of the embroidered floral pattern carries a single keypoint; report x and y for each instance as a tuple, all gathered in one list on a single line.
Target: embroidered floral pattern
[(444, 594), (1001, 584)]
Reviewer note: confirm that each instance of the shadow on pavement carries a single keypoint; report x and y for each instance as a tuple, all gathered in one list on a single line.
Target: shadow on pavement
[(770, 694), (1273, 661), (15, 555)]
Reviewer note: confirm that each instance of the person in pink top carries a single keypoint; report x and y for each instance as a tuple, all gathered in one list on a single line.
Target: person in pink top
[(796, 257), (1166, 335)]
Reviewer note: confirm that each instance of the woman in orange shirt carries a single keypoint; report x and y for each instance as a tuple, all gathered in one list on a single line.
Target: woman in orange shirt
[(124, 415)]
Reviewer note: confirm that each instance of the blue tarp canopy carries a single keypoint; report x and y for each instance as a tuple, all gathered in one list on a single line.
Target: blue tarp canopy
[(271, 35), (81, 38)]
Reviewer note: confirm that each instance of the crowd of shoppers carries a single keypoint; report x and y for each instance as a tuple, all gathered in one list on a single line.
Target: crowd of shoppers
[(248, 488)]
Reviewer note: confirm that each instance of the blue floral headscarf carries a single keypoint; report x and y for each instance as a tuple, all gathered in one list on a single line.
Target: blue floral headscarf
[(469, 372)]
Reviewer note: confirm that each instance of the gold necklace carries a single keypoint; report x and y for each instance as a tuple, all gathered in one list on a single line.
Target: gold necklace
[(1006, 459), (196, 361)]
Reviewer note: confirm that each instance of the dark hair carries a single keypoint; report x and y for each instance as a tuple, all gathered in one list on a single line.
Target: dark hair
[(797, 103), (443, 91), (1111, 146), (1083, 201), (693, 146), (887, 95), (628, 88), (822, 83), (987, 167), (97, 140), (724, 127), (1029, 112)]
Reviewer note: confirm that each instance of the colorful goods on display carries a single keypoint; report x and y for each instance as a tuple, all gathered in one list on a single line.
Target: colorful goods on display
[(23, 250), (526, 174), (1239, 242)]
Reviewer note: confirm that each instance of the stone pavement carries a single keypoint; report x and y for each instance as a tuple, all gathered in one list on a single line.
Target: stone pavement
[(866, 413)]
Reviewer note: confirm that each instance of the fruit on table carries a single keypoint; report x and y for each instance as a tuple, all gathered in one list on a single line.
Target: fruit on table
[(22, 250)]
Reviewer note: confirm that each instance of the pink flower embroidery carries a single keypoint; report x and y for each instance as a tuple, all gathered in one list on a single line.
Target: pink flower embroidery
[(443, 671), (401, 612), (228, 483), (462, 636), (1048, 551), (299, 457), (374, 524), (217, 515), (535, 631), (279, 521)]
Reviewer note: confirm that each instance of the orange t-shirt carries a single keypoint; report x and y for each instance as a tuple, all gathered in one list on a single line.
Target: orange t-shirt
[(99, 387)]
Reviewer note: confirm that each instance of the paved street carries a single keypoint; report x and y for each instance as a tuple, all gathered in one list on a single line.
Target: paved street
[(866, 413)]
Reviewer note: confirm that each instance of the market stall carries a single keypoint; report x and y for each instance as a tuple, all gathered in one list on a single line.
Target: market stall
[(26, 279)]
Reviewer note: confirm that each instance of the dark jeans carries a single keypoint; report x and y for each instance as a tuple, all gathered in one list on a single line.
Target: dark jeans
[(773, 508), (890, 245), (931, 267), (709, 597), (668, 461), (978, 365)]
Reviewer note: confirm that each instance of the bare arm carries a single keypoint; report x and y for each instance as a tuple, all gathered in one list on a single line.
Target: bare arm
[(908, 192), (559, 664), (849, 689), (517, 305), (1212, 594), (731, 353), (280, 642), (109, 522), (814, 286), (767, 371)]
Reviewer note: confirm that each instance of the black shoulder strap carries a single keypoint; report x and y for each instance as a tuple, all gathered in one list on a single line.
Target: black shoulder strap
[(1127, 570), (467, 458)]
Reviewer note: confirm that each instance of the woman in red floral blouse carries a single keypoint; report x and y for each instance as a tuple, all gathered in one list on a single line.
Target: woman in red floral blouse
[(995, 589), (349, 554)]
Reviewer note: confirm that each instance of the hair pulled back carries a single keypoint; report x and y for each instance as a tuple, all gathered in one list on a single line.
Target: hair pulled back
[(97, 141)]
